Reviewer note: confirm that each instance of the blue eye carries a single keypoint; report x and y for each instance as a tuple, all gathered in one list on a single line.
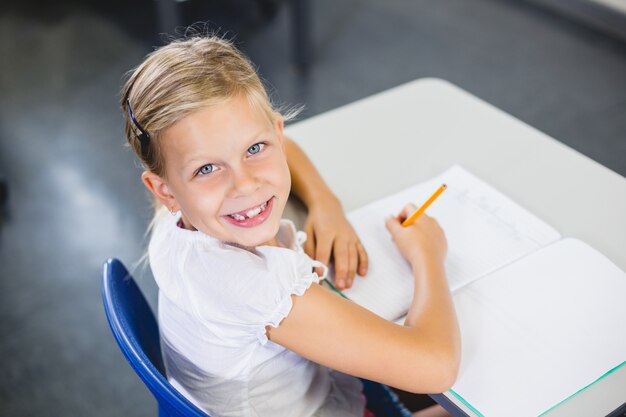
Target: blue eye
[(256, 148), (207, 169)]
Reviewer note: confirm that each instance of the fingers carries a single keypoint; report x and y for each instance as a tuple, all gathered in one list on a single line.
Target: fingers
[(323, 247), (340, 243), (353, 261), (407, 211), (341, 256), (350, 258), (363, 259), (393, 222), (345, 255)]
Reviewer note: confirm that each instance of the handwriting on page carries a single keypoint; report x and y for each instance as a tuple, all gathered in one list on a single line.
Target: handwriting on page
[(485, 230)]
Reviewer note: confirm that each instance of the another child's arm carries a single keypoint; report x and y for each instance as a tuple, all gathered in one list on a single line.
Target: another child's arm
[(421, 356), (328, 230)]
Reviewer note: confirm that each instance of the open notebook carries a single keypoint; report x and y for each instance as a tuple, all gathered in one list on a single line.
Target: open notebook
[(541, 317)]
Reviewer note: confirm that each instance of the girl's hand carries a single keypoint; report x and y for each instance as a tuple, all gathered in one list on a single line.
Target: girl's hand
[(421, 242), (330, 233)]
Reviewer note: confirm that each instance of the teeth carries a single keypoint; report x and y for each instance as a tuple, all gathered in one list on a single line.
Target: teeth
[(250, 213), (254, 212)]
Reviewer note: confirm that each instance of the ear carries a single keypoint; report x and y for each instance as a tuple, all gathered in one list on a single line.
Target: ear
[(159, 188)]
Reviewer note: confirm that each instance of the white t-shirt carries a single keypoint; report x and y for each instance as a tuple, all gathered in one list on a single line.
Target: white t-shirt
[(215, 301)]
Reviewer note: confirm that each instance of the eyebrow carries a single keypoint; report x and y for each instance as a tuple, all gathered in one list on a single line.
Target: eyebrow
[(195, 161)]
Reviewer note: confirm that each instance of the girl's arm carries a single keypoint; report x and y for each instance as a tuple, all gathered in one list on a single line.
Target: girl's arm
[(421, 356), (329, 232)]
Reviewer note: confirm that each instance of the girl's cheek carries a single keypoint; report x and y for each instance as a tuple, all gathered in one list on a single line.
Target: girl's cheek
[(274, 167), (209, 192)]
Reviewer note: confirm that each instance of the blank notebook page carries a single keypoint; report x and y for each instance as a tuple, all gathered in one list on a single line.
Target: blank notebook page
[(485, 231), (539, 330)]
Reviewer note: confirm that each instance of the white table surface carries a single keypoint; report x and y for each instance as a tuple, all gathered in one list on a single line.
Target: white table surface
[(386, 142)]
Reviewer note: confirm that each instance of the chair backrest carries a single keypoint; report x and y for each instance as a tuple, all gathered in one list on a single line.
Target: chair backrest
[(137, 334)]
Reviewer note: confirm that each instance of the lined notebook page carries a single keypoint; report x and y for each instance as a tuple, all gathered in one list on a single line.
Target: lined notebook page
[(539, 330), (485, 231)]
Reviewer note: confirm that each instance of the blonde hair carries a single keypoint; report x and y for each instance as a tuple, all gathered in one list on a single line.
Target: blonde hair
[(180, 78)]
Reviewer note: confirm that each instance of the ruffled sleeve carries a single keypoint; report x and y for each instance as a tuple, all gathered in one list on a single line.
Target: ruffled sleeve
[(239, 293), (296, 277)]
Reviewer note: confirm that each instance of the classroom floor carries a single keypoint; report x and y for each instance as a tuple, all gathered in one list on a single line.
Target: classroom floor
[(75, 197)]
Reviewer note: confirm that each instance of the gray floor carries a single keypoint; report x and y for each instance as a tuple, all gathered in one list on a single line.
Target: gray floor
[(75, 194)]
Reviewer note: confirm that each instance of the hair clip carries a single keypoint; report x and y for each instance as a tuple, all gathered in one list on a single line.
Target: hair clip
[(144, 137)]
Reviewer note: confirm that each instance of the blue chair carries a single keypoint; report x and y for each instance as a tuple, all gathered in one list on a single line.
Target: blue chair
[(137, 334)]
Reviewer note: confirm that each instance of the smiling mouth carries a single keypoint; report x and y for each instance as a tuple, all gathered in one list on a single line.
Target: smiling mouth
[(249, 213)]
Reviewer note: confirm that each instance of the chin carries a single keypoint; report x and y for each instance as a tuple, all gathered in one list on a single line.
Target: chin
[(257, 239)]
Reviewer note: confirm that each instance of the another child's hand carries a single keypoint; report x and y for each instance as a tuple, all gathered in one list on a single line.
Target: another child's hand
[(422, 241), (330, 233)]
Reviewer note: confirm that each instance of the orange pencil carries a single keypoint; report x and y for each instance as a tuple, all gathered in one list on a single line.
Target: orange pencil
[(409, 221)]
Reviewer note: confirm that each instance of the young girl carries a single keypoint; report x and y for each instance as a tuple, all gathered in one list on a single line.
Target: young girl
[(246, 328)]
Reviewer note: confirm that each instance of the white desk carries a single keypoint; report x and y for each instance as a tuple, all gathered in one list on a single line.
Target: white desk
[(386, 142)]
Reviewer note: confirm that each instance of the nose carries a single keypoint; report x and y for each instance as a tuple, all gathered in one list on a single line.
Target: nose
[(244, 181)]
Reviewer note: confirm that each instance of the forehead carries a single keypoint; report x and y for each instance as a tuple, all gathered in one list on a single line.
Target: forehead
[(215, 127)]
